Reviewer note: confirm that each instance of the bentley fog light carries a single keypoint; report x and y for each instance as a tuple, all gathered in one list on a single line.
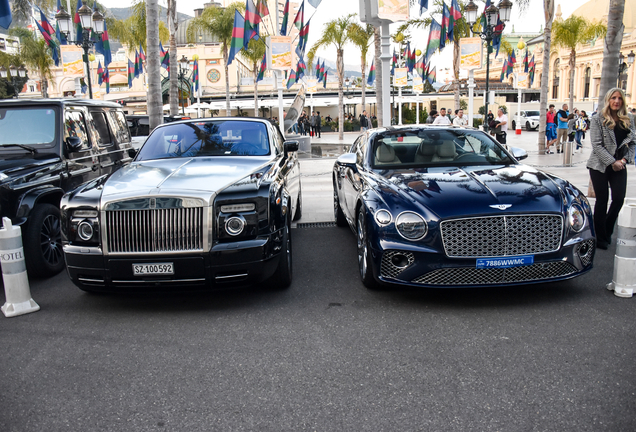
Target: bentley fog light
[(576, 218), (234, 225), (411, 226), (383, 217), (85, 230)]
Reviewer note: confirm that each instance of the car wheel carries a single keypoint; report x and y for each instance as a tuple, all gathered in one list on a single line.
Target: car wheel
[(299, 203), (283, 276), (43, 242), (341, 220), (528, 127), (514, 125), (364, 259)]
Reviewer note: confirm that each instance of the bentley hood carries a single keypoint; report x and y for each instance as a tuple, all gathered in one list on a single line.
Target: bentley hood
[(472, 191), (204, 176)]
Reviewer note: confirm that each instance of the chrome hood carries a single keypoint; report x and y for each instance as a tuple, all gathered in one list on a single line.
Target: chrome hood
[(200, 177)]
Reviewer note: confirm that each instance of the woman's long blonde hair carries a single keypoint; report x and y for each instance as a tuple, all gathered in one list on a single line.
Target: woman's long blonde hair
[(623, 118)]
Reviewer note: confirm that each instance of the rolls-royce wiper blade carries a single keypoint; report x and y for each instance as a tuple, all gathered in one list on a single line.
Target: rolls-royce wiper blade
[(25, 147)]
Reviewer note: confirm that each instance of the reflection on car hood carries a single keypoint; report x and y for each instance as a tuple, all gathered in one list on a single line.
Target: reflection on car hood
[(458, 192), (208, 174)]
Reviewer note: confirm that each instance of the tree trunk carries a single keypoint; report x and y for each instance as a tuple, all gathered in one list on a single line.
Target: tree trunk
[(174, 65), (154, 74), (44, 87), (548, 7), (363, 60), (612, 48), (378, 73), (456, 58), (228, 110), (572, 70), (340, 67)]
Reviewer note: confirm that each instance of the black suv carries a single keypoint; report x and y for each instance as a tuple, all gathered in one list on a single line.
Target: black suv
[(48, 147)]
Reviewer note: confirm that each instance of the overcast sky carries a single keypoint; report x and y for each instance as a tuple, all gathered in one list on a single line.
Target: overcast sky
[(529, 21)]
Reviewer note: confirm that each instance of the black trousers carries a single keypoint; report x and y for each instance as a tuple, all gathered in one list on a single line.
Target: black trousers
[(604, 218), (316, 130)]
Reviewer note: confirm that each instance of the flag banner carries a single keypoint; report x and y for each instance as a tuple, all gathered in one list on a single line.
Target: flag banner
[(142, 54), (445, 27), (47, 32), (261, 8), (503, 70), (456, 12), (300, 17), (5, 14), (509, 67), (312, 85), (371, 77), (78, 22), (136, 64), (60, 37), (131, 73), (407, 56), (283, 26), (292, 79), (433, 39), (195, 75), (164, 58), (303, 36), (237, 42), (100, 73), (323, 71), (513, 58), (103, 47), (423, 6), (412, 60), (324, 77), (393, 62), (522, 80), (318, 69), (525, 62), (106, 79), (432, 76), (261, 72), (419, 66), (250, 25)]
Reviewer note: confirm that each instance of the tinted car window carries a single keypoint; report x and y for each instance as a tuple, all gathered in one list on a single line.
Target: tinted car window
[(118, 124), (101, 126), (207, 138), (75, 126), (28, 126)]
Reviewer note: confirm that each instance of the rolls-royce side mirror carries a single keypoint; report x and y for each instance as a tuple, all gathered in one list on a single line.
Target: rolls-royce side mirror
[(73, 144), (290, 146), (518, 153), (348, 160)]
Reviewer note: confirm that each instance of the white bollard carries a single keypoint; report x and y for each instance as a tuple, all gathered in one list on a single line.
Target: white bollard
[(14, 275), (624, 280)]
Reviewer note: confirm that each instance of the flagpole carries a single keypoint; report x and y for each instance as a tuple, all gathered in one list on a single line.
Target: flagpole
[(279, 84)]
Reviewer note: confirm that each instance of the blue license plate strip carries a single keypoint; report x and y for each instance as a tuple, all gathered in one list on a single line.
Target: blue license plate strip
[(505, 262)]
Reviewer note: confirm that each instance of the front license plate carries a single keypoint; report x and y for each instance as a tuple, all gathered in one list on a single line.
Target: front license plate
[(505, 262), (153, 269)]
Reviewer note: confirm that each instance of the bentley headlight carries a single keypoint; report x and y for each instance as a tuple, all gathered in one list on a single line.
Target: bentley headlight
[(383, 217), (411, 226), (576, 218)]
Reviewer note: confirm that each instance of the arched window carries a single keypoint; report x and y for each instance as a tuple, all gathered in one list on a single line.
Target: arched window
[(556, 73), (586, 82)]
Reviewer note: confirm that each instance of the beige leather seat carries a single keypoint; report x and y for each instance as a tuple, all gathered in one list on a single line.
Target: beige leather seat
[(445, 152), (385, 154), (425, 152)]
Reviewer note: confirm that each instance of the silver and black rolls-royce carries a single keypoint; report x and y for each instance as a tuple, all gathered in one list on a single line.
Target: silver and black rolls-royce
[(205, 203)]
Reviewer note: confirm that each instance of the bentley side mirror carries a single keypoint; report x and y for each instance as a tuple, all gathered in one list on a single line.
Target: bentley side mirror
[(348, 159), (73, 144), (518, 153)]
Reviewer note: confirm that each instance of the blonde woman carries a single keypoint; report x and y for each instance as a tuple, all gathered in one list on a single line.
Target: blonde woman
[(613, 139)]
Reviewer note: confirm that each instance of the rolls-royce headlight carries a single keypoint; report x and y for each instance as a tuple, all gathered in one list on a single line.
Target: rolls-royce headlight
[(85, 230), (411, 226), (234, 225), (576, 218), (383, 217), (237, 208)]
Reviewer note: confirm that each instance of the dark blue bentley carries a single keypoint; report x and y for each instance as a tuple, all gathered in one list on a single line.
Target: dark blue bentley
[(450, 207)]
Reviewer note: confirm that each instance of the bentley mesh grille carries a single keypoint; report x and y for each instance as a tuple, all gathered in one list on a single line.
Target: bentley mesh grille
[(494, 276), (155, 230), (502, 235), (389, 269)]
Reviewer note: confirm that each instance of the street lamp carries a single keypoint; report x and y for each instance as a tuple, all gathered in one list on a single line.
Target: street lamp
[(488, 32), (184, 67), (14, 73), (622, 66), (90, 21), (347, 83)]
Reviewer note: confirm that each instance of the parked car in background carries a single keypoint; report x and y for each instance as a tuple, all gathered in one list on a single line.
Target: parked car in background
[(48, 147), (450, 207), (529, 120), (206, 203), (139, 126)]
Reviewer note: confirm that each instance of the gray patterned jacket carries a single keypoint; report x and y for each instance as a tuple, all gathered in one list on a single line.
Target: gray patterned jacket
[(604, 144)]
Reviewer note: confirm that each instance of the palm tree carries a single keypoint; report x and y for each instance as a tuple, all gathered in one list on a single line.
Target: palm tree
[(218, 22), (571, 32), (362, 38), (132, 31), (173, 25), (36, 54), (254, 54), (612, 46), (377, 35), (336, 33), (155, 111), (548, 9)]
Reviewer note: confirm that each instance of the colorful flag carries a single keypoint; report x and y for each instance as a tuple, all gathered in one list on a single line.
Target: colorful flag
[(407, 56), (250, 24), (100, 73), (510, 65), (484, 19), (300, 69), (60, 37), (318, 69), (513, 58), (47, 32), (525, 62), (393, 62), (324, 77), (531, 70), (412, 60), (5, 14), (423, 6), (164, 57), (419, 67), (106, 79), (496, 40), (314, 3), (131, 73), (323, 71), (261, 8), (371, 77), (292, 79), (195, 75), (300, 17), (261, 72), (303, 36), (504, 69), (433, 39), (142, 54), (455, 11), (236, 44), (136, 64), (283, 26), (432, 76), (78, 22), (103, 47), (445, 27)]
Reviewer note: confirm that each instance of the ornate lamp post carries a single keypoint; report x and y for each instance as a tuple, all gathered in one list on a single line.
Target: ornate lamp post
[(184, 67), (488, 32), (347, 83), (90, 21), (14, 72), (622, 66)]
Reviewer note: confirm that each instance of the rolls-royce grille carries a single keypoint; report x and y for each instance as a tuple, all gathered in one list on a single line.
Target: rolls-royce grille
[(155, 230), (502, 235), (494, 276)]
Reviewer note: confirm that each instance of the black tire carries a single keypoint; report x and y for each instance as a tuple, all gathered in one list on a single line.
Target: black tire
[(528, 127), (283, 276), (365, 264), (43, 242), (513, 125), (299, 203), (341, 220)]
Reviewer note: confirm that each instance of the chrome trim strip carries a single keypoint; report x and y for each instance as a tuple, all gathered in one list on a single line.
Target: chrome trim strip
[(153, 281), (230, 277), (90, 280)]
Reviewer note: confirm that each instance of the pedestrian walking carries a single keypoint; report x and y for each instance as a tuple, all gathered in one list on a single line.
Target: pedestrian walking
[(502, 126), (550, 128), (364, 121), (442, 119), (613, 138), (579, 130), (315, 124), (460, 120), (431, 117), (562, 126)]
